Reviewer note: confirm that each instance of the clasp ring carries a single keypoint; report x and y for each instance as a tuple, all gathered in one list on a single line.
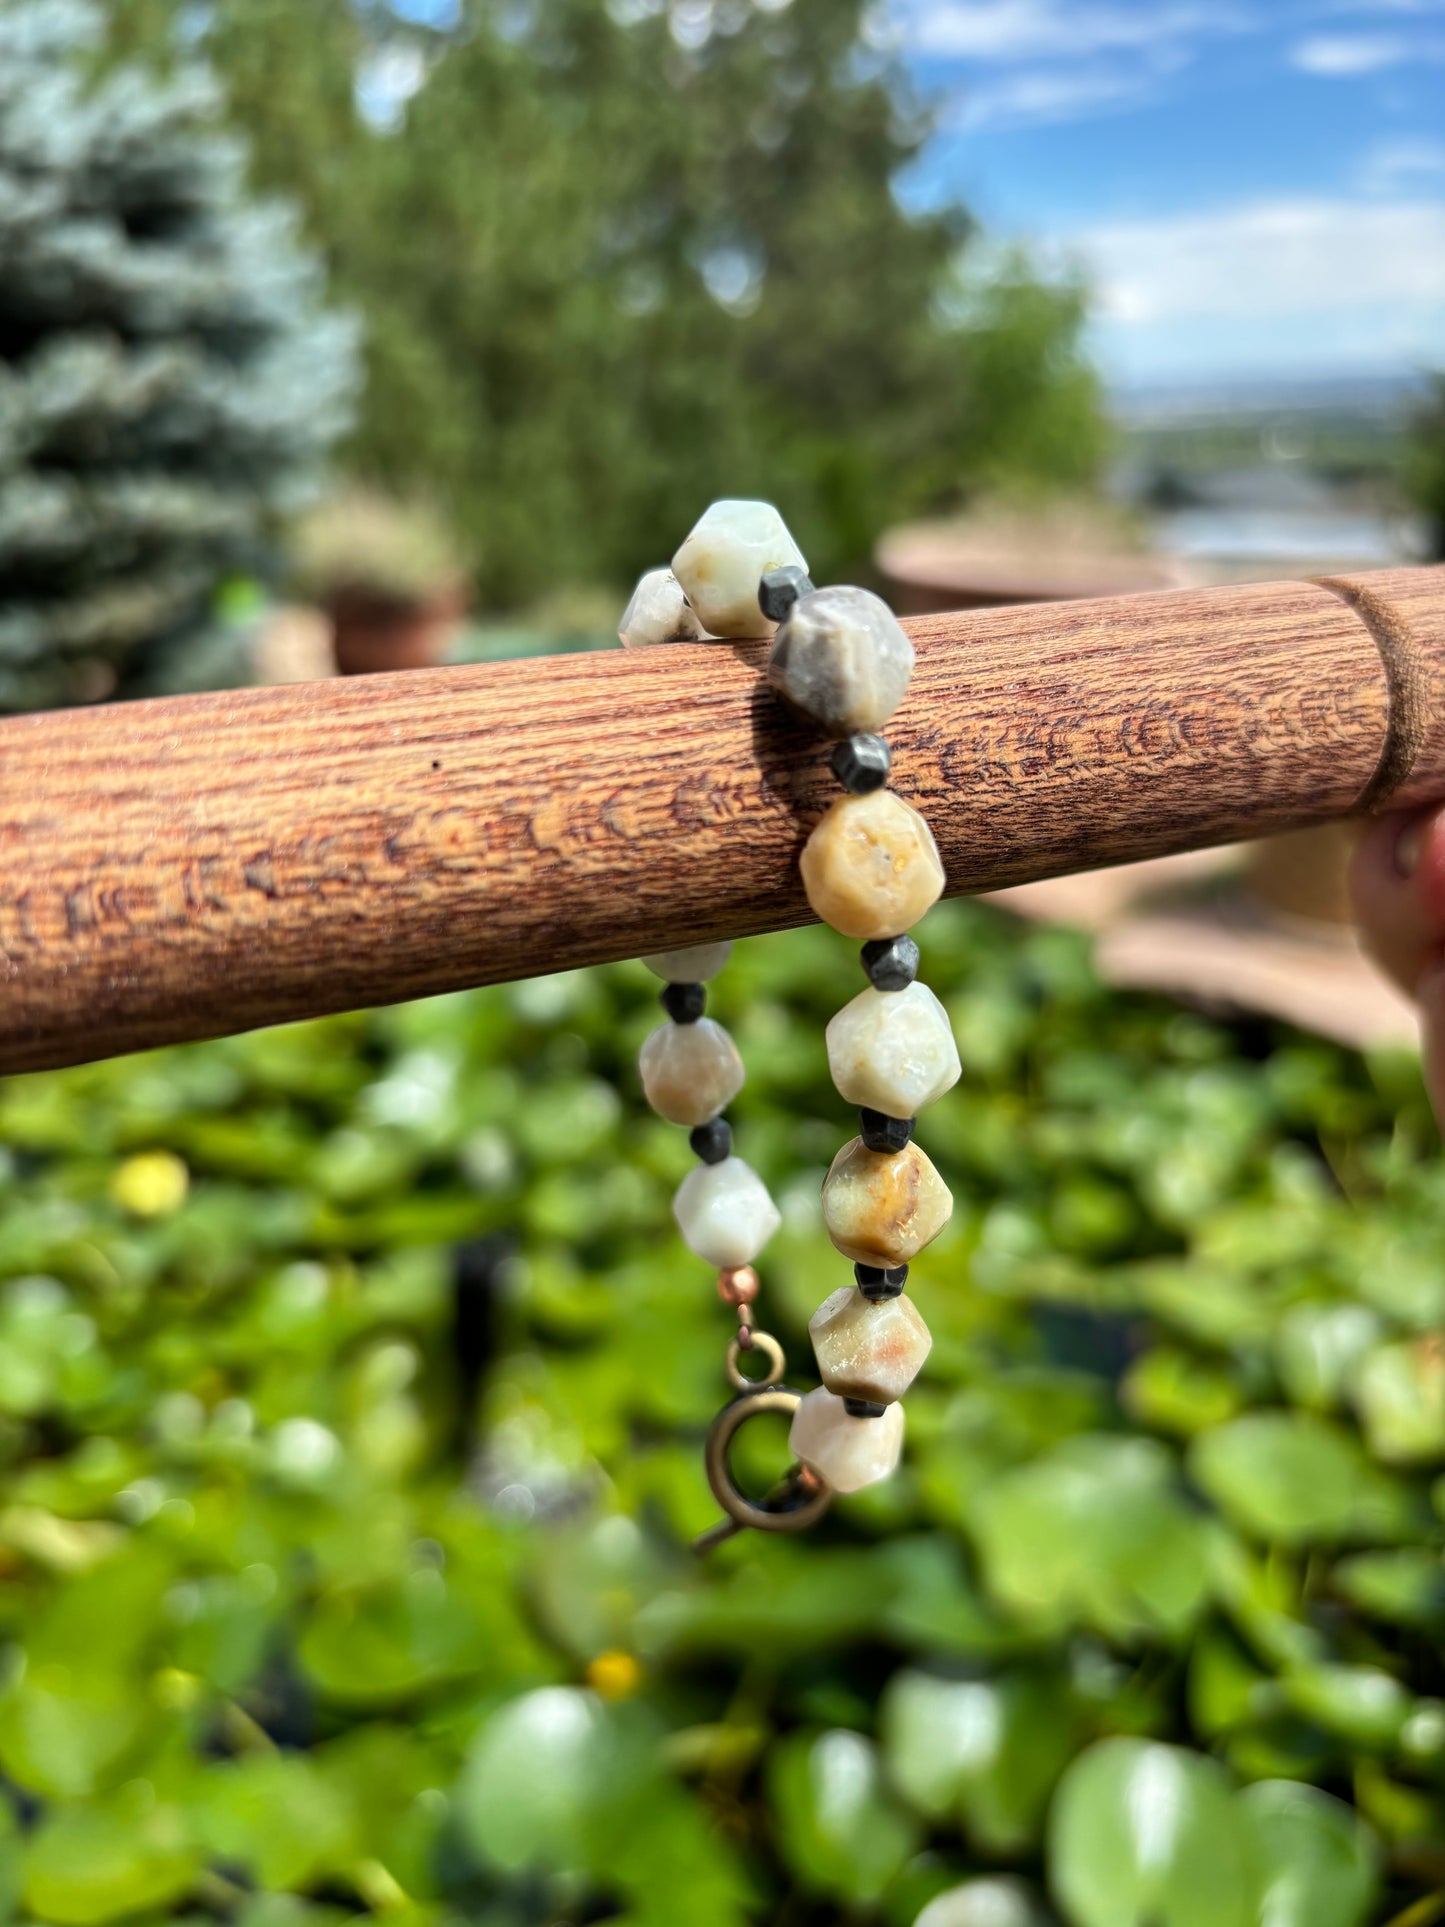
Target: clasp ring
[(797, 1502)]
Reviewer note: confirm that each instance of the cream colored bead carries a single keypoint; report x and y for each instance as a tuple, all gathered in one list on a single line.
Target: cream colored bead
[(690, 1072), (865, 1350), (692, 966), (848, 1452), (882, 1208), (722, 562), (658, 612), (893, 1051), (842, 658), (871, 867), (724, 1212)]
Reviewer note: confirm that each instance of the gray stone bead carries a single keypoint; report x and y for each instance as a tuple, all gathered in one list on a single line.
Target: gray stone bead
[(891, 962), (780, 588), (843, 659), (861, 763)]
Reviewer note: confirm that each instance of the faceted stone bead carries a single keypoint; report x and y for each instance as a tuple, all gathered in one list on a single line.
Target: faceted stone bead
[(893, 1051), (843, 659), (868, 1351), (882, 1210), (684, 1003), (847, 1452), (875, 1282), (713, 1141), (658, 612), (724, 1213), (690, 1072), (871, 867), (891, 964), (725, 558), (883, 1133), (692, 966), (861, 763), (780, 589)]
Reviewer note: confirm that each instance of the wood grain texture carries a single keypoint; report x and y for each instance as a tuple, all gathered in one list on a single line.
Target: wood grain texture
[(206, 864), (1404, 609)]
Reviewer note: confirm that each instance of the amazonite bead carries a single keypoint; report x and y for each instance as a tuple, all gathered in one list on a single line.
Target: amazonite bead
[(883, 1207), (725, 1213), (871, 867), (866, 1350), (843, 659), (658, 612), (692, 966), (847, 1452), (722, 562), (690, 1072), (893, 1051)]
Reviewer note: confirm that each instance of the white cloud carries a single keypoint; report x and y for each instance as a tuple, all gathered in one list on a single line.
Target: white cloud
[(1027, 30), (1340, 55), (1049, 95), (1392, 165), (1288, 284)]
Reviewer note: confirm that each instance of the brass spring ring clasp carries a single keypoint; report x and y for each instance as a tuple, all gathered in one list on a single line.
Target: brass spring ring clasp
[(799, 1500)]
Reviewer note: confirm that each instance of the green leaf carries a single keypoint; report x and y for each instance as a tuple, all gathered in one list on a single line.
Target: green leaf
[(1094, 1532), (1143, 1835), (551, 1778), (1177, 1392), (1318, 1347), (837, 1828), (1405, 1587), (1295, 1479), (1400, 1396), (984, 1903), (377, 1647), (1360, 1703), (64, 1728), (97, 1862), (277, 1815), (1320, 1863), (992, 1748)]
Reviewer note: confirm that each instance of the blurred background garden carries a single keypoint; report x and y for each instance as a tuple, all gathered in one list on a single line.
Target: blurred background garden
[(352, 1381)]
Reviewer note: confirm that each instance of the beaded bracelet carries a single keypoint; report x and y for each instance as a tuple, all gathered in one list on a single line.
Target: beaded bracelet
[(871, 869)]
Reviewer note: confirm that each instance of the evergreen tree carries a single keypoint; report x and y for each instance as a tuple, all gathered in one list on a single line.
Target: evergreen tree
[(169, 379), (622, 256), (1424, 464)]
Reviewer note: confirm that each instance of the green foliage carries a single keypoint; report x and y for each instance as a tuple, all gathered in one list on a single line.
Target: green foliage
[(609, 264), (168, 378), (1424, 463), (1147, 1630)]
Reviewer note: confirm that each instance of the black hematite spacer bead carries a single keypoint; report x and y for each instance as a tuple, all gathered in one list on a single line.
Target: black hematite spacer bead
[(891, 962), (780, 588), (863, 1408), (883, 1133), (713, 1141), (861, 763), (877, 1284), (684, 1003)]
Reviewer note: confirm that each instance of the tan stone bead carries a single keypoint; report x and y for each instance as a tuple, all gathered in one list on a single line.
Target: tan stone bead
[(871, 867), (882, 1208), (893, 1051), (847, 1452), (865, 1350), (690, 1072)]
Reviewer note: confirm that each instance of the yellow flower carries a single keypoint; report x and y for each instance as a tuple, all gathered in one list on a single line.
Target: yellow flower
[(152, 1185), (614, 1675)]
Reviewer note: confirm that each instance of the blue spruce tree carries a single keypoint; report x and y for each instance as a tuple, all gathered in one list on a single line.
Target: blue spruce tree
[(170, 380)]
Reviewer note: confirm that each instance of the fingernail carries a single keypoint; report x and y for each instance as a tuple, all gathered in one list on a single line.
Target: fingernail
[(1408, 845)]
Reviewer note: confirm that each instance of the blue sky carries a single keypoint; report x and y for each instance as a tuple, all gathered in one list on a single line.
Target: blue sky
[(1254, 188)]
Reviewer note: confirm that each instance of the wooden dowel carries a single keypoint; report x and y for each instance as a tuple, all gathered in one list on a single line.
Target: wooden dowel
[(205, 864)]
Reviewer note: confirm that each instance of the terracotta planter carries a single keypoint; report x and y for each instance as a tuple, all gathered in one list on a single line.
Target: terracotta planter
[(377, 633)]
